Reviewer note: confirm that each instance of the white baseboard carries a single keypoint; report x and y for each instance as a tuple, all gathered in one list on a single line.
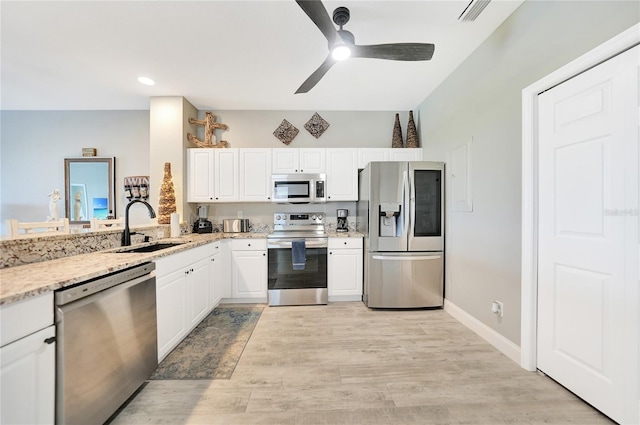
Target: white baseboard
[(503, 344)]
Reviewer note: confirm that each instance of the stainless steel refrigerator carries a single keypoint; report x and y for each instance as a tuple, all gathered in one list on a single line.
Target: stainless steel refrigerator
[(401, 212)]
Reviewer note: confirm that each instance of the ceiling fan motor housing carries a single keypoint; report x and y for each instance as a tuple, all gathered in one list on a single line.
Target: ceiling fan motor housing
[(341, 16)]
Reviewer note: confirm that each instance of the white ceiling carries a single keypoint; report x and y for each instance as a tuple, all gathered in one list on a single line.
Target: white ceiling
[(78, 55)]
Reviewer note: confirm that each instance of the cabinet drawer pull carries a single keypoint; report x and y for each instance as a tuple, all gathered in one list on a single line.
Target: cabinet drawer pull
[(50, 340)]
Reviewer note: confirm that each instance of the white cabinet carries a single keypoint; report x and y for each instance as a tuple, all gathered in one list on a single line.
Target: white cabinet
[(215, 275), (344, 269), (200, 166), (198, 291), (405, 154), (27, 362), (249, 269), (183, 297), (342, 174), (226, 175), (303, 160), (212, 175), (255, 175), (367, 155)]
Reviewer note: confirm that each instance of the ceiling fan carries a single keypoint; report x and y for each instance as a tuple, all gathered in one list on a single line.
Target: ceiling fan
[(342, 43)]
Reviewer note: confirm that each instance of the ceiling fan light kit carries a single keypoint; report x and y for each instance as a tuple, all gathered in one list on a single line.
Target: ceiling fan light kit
[(342, 43)]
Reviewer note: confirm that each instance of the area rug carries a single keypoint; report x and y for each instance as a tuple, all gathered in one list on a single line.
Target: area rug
[(213, 348)]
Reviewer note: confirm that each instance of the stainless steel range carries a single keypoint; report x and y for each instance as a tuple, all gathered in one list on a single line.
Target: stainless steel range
[(298, 259)]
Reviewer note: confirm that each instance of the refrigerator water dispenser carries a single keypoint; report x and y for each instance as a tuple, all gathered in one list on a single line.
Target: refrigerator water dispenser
[(389, 213)]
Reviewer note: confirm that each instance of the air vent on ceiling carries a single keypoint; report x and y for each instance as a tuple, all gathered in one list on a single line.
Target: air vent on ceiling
[(473, 9)]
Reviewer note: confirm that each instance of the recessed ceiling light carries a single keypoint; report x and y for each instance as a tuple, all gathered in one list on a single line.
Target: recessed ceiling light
[(147, 81)]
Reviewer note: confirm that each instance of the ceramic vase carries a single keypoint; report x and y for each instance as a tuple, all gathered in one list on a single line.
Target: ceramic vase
[(396, 141)]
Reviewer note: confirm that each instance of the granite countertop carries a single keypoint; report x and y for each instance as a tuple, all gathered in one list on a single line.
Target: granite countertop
[(20, 282)]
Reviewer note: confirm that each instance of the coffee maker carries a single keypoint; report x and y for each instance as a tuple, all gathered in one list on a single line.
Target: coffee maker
[(343, 225), (203, 225)]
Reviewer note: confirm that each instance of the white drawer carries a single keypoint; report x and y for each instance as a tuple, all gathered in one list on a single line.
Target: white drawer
[(25, 317), (248, 244), (350, 243)]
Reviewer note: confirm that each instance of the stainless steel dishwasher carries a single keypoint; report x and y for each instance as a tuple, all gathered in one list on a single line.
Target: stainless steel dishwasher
[(106, 343)]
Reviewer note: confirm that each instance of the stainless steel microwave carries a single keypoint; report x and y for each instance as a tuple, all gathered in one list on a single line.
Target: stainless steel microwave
[(298, 188)]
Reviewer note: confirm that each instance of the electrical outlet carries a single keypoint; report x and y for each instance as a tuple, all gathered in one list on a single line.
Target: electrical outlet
[(497, 308), (239, 214)]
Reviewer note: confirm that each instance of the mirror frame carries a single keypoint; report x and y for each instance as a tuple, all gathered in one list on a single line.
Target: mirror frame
[(111, 165)]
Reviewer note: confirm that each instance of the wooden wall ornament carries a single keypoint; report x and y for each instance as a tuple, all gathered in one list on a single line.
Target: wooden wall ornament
[(210, 125)]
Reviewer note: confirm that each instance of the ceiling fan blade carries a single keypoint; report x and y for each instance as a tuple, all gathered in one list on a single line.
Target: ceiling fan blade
[(395, 51), (317, 75), (318, 14)]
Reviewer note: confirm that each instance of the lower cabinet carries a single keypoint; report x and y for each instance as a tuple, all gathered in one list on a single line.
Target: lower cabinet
[(344, 269), (28, 362), (216, 267), (249, 269), (183, 295)]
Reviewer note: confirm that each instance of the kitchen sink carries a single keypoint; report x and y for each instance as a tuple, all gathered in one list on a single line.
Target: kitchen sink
[(149, 248)]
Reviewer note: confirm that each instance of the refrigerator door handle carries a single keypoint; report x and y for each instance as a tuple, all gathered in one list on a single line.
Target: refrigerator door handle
[(405, 201), (406, 257)]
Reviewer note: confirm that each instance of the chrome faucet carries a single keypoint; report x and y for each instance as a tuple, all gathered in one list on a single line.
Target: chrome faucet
[(126, 236)]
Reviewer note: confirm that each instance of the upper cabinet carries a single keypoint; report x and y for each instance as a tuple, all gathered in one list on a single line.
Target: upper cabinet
[(367, 155), (200, 166), (212, 175), (244, 175), (255, 175), (342, 174), (303, 160), (405, 154)]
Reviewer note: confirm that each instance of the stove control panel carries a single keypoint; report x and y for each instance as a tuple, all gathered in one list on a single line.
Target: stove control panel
[(287, 219)]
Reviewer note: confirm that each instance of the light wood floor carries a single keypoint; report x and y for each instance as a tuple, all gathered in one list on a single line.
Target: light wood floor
[(346, 364)]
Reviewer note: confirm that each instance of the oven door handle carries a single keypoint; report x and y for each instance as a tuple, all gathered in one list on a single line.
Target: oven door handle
[(287, 244)]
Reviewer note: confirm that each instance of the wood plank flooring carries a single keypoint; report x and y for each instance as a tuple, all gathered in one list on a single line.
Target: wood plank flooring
[(346, 364)]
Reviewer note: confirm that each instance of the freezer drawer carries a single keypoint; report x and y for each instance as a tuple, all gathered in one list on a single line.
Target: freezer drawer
[(404, 280)]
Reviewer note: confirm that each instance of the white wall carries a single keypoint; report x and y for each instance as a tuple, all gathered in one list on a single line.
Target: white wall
[(33, 145), (481, 100)]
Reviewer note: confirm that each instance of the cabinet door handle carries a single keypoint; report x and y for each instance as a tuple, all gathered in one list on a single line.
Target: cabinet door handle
[(301, 170), (263, 254), (249, 244), (330, 252), (50, 340), (345, 243)]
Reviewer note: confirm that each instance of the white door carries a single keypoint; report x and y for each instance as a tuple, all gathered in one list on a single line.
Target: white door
[(588, 236), (312, 160), (200, 164)]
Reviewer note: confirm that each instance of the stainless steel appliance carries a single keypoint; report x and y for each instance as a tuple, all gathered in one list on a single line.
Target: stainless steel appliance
[(297, 281), (298, 188), (106, 343), (235, 225), (400, 210), (343, 225), (203, 225)]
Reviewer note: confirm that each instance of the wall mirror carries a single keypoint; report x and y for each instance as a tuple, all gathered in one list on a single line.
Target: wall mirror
[(89, 188)]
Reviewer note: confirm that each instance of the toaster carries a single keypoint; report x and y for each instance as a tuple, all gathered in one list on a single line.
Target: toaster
[(235, 225)]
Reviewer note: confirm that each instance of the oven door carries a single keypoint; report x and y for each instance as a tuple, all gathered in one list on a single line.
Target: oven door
[(297, 287), (281, 272)]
